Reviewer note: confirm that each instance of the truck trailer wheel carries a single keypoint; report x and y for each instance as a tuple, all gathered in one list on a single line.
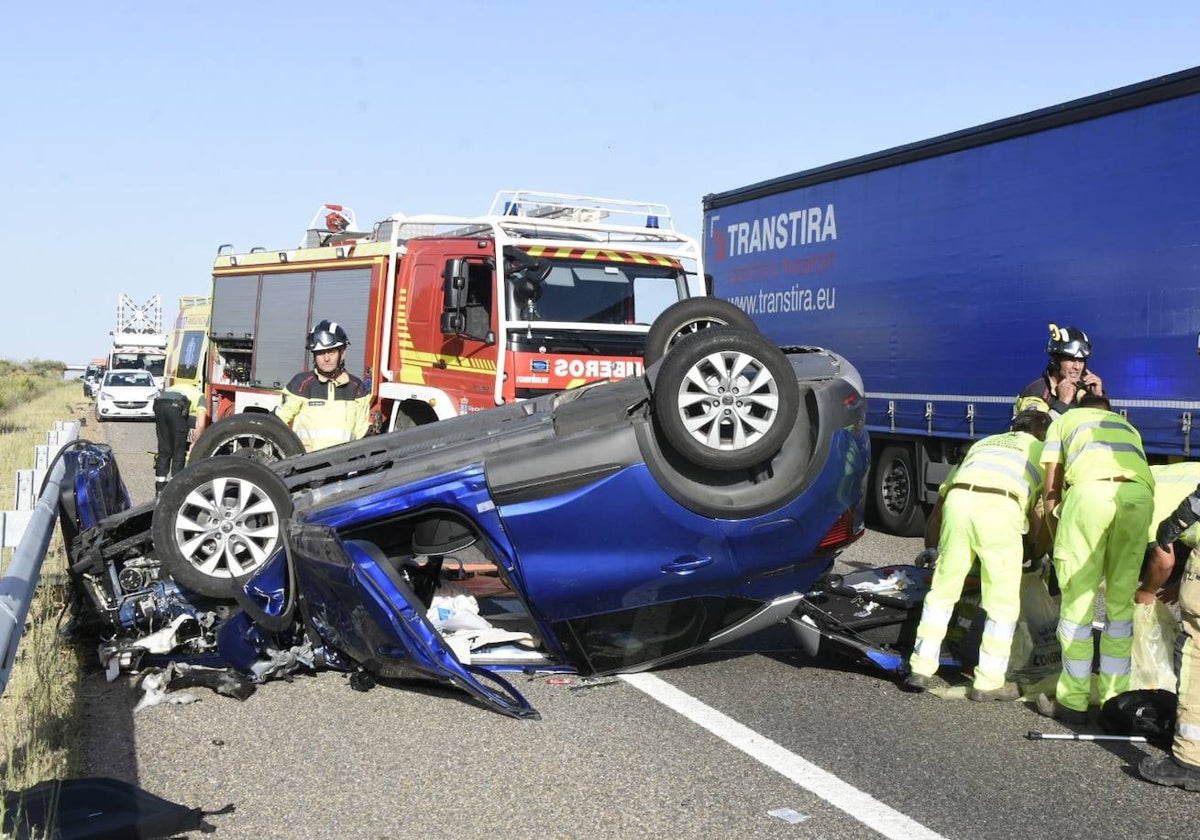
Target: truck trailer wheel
[(896, 492), (218, 521), (688, 316), (262, 437), (726, 399)]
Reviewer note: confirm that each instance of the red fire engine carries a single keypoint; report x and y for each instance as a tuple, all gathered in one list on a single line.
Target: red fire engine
[(453, 314)]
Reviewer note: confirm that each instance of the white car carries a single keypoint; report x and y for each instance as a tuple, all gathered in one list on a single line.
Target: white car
[(126, 394)]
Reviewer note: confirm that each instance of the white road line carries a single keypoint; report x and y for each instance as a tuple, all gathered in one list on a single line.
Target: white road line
[(861, 806)]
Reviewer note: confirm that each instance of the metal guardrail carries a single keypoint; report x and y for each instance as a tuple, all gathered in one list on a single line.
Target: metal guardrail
[(35, 520)]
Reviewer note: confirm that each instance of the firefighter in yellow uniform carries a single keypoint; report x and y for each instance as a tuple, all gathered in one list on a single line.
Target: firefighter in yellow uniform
[(1181, 768), (984, 510), (327, 405), (1099, 500)]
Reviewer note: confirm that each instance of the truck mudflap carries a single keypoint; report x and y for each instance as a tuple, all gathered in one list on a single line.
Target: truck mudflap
[(871, 617)]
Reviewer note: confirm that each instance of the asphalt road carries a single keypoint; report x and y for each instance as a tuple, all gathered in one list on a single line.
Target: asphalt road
[(766, 729)]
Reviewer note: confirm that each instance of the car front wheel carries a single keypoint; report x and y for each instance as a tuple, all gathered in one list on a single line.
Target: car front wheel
[(726, 399), (218, 521)]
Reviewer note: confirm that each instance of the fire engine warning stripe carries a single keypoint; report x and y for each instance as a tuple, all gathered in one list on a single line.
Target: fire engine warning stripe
[(601, 254), (455, 363)]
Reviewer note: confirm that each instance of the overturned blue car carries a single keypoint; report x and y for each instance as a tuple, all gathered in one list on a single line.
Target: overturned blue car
[(605, 529)]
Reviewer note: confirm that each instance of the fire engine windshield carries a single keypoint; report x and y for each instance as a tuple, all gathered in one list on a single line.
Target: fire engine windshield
[(593, 292)]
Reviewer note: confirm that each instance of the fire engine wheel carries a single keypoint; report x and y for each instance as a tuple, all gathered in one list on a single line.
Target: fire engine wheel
[(726, 399), (689, 316), (261, 437), (217, 522), (895, 492)]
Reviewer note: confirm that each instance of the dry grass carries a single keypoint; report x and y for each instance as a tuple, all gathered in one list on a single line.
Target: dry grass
[(40, 709)]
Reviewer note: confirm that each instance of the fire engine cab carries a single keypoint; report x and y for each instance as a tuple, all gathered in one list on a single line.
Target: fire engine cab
[(453, 314)]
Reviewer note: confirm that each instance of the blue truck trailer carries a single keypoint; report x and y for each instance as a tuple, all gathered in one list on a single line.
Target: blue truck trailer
[(937, 267)]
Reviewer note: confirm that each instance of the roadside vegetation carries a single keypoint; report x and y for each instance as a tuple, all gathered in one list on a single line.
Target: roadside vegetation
[(40, 714)]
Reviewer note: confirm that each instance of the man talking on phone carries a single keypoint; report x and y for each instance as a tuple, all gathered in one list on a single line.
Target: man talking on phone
[(1066, 379)]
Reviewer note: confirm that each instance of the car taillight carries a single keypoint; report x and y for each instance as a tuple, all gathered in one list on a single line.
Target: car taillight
[(841, 532)]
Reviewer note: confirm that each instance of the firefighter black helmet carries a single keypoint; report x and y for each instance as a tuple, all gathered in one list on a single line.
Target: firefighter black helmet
[(327, 335), (1068, 342)]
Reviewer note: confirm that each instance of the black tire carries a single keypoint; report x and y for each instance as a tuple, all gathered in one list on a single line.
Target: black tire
[(218, 521), (261, 437), (726, 399), (689, 316), (895, 492)]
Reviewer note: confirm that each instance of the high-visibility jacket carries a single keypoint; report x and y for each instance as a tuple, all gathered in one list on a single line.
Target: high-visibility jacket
[(325, 412), (1172, 484), (1007, 462), (1095, 444)]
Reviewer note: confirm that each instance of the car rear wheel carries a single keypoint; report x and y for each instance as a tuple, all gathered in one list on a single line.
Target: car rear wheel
[(218, 521), (689, 316), (726, 399), (261, 437)]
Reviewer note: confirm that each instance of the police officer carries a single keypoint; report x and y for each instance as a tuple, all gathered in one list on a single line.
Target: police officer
[(1066, 379), (1181, 768), (984, 509), (175, 413), (327, 405), (1099, 501)]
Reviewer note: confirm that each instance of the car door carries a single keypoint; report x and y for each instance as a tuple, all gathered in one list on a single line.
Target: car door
[(621, 575), (359, 604)]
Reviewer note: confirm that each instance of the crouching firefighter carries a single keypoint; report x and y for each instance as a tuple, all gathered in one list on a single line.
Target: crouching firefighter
[(326, 405), (984, 508), (179, 415)]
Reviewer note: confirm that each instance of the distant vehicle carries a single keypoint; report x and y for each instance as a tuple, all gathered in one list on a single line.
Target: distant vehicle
[(126, 395), (938, 266), (139, 342), (92, 376)]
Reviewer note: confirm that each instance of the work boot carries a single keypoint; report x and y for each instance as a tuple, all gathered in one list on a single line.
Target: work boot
[(915, 683), (1051, 708), (1170, 771), (1008, 691)]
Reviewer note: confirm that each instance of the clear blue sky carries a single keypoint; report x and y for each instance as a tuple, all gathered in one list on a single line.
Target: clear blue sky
[(139, 136)]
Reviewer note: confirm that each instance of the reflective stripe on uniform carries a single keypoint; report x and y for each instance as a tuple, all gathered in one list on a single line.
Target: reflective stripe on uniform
[(1119, 629), (1074, 632), (931, 613), (1116, 665), (1191, 731), (1002, 630), (1078, 668)]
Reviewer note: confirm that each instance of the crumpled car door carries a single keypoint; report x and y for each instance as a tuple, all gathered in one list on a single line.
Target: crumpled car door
[(358, 603)]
